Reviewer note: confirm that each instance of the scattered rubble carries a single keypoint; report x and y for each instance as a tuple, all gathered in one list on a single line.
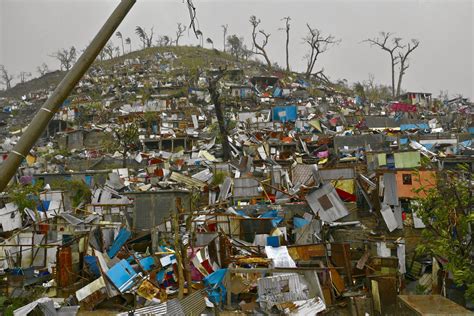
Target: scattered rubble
[(313, 213)]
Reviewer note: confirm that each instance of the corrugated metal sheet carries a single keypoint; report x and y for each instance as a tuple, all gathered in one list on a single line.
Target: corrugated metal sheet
[(390, 194), (175, 176), (194, 304), (301, 174), (225, 188), (376, 141), (337, 174), (245, 188), (159, 309), (327, 203), (204, 175)]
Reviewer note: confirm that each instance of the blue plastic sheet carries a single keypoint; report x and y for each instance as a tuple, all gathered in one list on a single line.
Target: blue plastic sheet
[(121, 239), (43, 206), (404, 127), (147, 263), (273, 214), (273, 241), (122, 275), (289, 115), (299, 222), (277, 92), (215, 289)]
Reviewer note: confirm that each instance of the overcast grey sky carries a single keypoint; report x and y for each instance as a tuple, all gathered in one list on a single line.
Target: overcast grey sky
[(32, 29)]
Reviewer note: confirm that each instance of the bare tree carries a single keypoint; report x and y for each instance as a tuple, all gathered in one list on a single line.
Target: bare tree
[(260, 47), (43, 69), (224, 30), (66, 57), (145, 38), (23, 76), (287, 30), (128, 41), (390, 45), (119, 35), (180, 32), (318, 44), (5, 78), (403, 58), (209, 41), (215, 94)]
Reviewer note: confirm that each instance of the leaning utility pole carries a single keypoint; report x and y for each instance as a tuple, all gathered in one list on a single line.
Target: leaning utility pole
[(49, 108)]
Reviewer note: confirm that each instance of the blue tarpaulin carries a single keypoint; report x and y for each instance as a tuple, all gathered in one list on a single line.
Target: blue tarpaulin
[(303, 83), (273, 214), (277, 92), (299, 222), (122, 275), (121, 239), (147, 263), (215, 288), (404, 127), (403, 141), (43, 206), (284, 113), (471, 130), (89, 180)]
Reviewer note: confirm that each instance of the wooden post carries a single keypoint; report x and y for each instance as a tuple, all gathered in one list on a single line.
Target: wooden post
[(179, 259)]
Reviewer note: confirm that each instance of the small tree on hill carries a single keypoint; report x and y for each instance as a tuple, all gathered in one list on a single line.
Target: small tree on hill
[(209, 41), (179, 32), (287, 43), (224, 31), (66, 57), (260, 46), (237, 47), (127, 139), (23, 76), (318, 44), (128, 41), (119, 35), (43, 69), (145, 38), (5, 78)]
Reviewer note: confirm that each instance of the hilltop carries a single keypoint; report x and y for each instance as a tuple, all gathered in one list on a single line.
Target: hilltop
[(187, 57)]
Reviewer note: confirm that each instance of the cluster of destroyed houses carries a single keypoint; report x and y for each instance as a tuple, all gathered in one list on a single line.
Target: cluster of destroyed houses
[(313, 212)]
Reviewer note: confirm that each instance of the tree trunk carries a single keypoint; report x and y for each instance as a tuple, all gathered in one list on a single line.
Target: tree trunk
[(393, 76), (224, 42), (399, 85), (287, 54), (220, 119), (269, 63), (179, 258)]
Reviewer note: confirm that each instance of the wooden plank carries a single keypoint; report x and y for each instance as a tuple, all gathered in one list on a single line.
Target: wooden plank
[(306, 252), (432, 305)]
